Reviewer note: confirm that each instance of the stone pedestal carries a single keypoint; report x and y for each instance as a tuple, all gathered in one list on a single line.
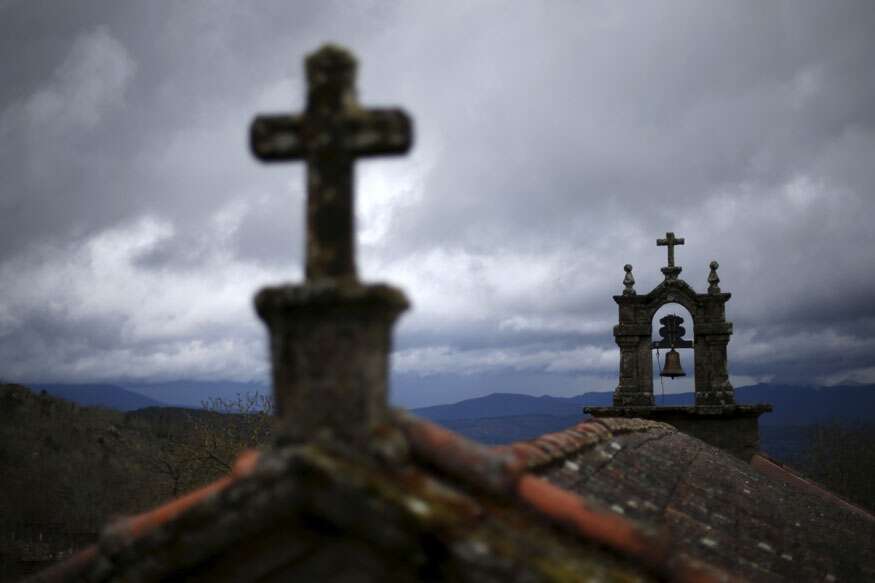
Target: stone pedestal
[(734, 428), (330, 343)]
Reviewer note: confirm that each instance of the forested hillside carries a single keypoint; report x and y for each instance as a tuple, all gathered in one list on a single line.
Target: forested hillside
[(65, 470)]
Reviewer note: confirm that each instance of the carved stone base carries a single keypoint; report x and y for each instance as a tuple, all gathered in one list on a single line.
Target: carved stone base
[(734, 428), (715, 398), (626, 398), (330, 344)]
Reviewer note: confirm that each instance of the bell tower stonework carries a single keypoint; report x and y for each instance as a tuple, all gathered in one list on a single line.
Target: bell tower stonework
[(715, 417)]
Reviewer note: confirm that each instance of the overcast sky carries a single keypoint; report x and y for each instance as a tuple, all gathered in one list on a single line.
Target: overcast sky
[(555, 141)]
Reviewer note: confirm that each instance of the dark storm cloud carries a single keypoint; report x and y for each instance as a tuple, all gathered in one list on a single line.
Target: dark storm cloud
[(554, 143)]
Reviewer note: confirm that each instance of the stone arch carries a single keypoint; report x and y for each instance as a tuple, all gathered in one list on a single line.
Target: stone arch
[(686, 353), (711, 334), (678, 294)]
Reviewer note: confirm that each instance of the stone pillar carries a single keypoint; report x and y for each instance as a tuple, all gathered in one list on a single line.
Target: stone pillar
[(330, 346), (712, 373), (628, 393), (636, 368)]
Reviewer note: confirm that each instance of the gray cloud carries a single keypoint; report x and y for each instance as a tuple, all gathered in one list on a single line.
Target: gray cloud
[(554, 143)]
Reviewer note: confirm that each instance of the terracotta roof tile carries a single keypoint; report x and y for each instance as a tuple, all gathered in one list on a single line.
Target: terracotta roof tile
[(501, 473), (477, 465), (574, 512), (497, 472), (72, 569), (527, 455), (718, 508), (558, 446), (138, 525)]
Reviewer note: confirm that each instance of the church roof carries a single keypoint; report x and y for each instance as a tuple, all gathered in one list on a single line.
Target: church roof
[(612, 499), (719, 509)]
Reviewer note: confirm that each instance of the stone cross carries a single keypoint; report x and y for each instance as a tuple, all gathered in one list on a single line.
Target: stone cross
[(331, 336), (670, 241), (332, 132)]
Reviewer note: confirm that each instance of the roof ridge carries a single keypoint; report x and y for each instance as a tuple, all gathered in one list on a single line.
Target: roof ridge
[(495, 471), (504, 471), (553, 447)]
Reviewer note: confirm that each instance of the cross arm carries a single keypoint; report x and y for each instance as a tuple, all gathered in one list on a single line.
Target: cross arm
[(374, 132), (277, 137), (670, 241)]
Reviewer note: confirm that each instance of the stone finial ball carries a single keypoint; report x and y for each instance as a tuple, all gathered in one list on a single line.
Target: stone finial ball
[(627, 268), (714, 265)]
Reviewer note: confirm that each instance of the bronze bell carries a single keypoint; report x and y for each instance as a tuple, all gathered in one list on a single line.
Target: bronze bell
[(672, 366)]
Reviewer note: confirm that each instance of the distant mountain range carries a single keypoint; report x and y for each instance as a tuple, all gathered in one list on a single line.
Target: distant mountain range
[(784, 433), (511, 404), (793, 405), (97, 395), (194, 393), (506, 417)]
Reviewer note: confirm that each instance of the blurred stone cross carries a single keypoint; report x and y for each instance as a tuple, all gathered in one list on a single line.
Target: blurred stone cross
[(670, 241), (331, 336), (332, 132)]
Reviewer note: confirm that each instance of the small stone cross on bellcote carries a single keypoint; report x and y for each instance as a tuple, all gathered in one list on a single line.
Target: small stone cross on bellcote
[(332, 132), (670, 241)]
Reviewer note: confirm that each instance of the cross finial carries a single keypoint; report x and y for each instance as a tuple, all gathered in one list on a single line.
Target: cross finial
[(332, 132), (670, 241)]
